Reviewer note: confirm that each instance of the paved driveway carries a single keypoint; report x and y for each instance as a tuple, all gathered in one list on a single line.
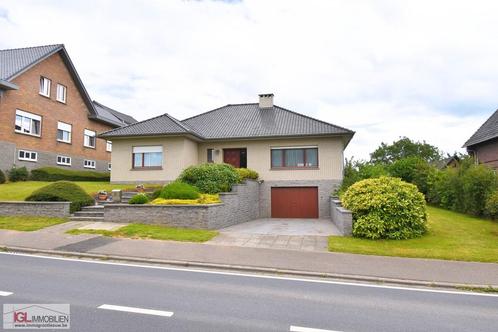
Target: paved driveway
[(293, 234)]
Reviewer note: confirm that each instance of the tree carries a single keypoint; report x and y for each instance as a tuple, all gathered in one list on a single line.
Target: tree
[(404, 148)]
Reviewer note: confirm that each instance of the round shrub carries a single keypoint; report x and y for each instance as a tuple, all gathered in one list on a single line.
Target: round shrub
[(210, 178), (139, 199), (491, 207), (18, 174), (179, 190), (246, 173), (2, 177), (386, 208), (63, 191)]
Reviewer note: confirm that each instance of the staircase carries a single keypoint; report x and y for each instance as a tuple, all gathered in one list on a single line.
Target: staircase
[(89, 213), (127, 195)]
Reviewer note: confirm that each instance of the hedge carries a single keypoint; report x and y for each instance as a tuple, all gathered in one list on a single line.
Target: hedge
[(179, 190), (63, 191), (58, 174), (18, 174), (2, 177)]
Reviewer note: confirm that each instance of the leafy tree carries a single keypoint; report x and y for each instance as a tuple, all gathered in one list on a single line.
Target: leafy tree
[(404, 148)]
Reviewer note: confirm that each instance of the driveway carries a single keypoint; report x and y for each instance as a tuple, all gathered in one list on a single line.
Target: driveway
[(292, 234)]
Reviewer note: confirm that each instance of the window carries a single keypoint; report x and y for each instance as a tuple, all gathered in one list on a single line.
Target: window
[(306, 157), (45, 86), (63, 132), (210, 156), (147, 156), (89, 164), (61, 93), (27, 123), (89, 139), (109, 166), (63, 160), (27, 155), (108, 146)]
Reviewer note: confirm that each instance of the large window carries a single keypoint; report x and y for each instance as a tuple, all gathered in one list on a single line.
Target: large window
[(63, 160), (147, 156), (27, 155), (45, 86), (89, 139), (61, 93), (89, 164), (27, 123), (305, 157), (63, 132)]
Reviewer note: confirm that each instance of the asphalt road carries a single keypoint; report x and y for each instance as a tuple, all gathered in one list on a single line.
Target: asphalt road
[(205, 301)]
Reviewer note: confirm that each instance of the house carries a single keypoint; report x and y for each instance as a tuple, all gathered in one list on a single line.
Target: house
[(451, 161), (46, 115), (483, 144), (299, 159)]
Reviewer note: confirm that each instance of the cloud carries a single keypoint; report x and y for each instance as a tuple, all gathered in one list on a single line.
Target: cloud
[(385, 69)]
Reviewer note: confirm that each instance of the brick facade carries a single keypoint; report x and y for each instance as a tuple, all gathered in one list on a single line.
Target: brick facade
[(74, 112)]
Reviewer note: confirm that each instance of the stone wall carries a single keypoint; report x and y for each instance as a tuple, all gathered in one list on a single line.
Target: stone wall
[(45, 209), (238, 206), (341, 217)]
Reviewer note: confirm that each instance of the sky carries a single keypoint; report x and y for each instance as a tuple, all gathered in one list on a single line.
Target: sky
[(427, 70)]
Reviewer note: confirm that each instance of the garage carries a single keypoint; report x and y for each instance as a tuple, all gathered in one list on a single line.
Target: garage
[(294, 202)]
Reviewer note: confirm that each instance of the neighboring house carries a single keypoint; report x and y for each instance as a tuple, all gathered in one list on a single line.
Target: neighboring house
[(483, 145), (46, 115), (300, 159), (447, 162)]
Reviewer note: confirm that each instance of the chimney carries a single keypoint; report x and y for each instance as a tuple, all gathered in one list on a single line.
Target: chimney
[(266, 100)]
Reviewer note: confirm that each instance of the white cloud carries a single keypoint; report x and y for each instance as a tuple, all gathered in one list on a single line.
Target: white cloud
[(423, 69)]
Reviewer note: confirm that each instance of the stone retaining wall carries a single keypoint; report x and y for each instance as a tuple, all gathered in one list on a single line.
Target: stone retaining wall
[(45, 209), (341, 217)]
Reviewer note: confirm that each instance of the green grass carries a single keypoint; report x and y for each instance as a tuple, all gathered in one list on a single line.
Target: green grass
[(451, 235), (28, 223), (156, 232), (18, 191)]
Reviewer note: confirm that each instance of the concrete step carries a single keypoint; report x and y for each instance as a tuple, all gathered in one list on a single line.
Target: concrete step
[(76, 218), (92, 208)]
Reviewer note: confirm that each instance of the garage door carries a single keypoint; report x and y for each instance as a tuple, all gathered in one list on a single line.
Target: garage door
[(294, 202)]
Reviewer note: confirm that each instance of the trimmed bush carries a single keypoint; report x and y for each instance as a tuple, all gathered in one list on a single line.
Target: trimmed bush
[(246, 173), (386, 208), (139, 199), (59, 174), (179, 190), (2, 177), (491, 208), (18, 174), (63, 191), (210, 178)]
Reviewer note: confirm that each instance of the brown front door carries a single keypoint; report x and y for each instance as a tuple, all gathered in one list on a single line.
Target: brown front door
[(235, 157), (294, 202)]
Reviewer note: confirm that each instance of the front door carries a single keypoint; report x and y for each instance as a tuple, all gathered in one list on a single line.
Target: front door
[(235, 157)]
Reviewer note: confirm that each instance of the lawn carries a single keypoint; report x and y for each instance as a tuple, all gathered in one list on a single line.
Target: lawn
[(18, 191), (452, 236), (156, 232), (28, 223)]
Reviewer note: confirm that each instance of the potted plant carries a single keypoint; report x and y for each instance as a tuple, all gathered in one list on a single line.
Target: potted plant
[(140, 188), (102, 195)]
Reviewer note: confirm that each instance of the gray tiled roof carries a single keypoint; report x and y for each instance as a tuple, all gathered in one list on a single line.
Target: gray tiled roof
[(487, 131), (113, 116), (234, 121), (15, 61)]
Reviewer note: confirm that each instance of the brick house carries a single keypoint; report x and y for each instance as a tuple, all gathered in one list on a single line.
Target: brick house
[(483, 144), (46, 115)]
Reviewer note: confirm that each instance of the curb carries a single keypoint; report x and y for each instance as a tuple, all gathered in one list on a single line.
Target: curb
[(243, 268)]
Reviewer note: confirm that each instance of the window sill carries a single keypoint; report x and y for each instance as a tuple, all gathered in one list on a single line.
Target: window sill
[(46, 96), (27, 134), (88, 167), (66, 165), (151, 168), (60, 101), (89, 147), (293, 168), (65, 142), (28, 160)]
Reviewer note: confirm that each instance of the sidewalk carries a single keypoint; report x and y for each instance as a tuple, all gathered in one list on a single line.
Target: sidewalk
[(362, 267)]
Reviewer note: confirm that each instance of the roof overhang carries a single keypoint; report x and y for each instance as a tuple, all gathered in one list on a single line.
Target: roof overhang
[(110, 138), (6, 85)]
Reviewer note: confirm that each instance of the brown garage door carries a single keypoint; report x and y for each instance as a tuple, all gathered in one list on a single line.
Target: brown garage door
[(294, 202)]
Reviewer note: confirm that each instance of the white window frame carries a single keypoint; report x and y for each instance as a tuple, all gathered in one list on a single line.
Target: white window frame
[(109, 166), (64, 160), (108, 146), (45, 85), (32, 117), (65, 127), (87, 134), (25, 152), (61, 93), (142, 150), (87, 163)]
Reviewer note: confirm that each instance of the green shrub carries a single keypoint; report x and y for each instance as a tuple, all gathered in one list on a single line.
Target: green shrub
[(139, 199), (491, 208), (355, 171), (58, 174), (155, 194), (63, 191), (386, 208), (179, 190), (210, 178), (2, 177), (18, 174), (246, 173), (413, 170), (478, 183)]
